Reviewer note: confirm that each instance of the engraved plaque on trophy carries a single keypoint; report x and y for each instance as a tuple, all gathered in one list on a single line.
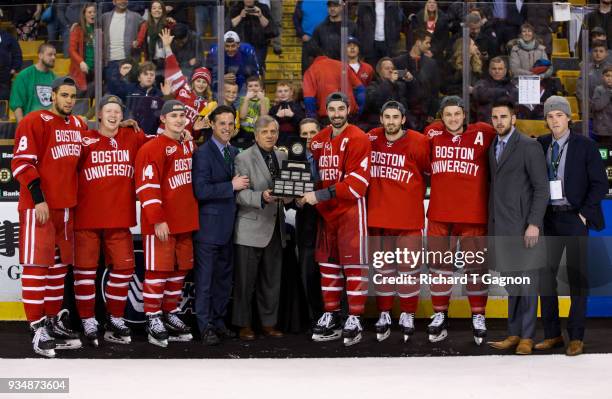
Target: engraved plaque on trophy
[(295, 177)]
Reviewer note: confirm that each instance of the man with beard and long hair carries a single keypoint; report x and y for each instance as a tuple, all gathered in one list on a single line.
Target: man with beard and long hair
[(45, 156), (400, 159), (342, 154)]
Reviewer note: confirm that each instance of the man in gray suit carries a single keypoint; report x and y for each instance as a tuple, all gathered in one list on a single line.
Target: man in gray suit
[(518, 198), (259, 234), (120, 27)]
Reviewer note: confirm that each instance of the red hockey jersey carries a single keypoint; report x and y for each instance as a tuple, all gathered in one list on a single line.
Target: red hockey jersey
[(343, 161), (397, 185), (182, 92), (48, 146), (106, 197), (459, 173), (163, 185)]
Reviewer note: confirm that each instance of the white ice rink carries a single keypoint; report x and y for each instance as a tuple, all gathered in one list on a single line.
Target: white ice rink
[(495, 377)]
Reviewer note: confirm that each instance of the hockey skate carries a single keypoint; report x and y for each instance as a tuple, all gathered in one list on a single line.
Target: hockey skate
[(90, 331), (156, 332), (406, 323), (352, 331), (383, 326), (327, 328), (65, 338), (116, 331), (177, 330), (43, 343), (438, 328), (479, 328)]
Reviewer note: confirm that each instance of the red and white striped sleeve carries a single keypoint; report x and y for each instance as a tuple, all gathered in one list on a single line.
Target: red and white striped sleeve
[(173, 74), (26, 150), (356, 169), (149, 167)]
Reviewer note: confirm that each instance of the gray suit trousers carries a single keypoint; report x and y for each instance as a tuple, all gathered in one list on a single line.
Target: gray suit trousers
[(523, 306)]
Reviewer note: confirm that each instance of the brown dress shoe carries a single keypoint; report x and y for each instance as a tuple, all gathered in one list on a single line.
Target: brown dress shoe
[(272, 332), (246, 334), (549, 343), (575, 347), (507, 343), (524, 347)]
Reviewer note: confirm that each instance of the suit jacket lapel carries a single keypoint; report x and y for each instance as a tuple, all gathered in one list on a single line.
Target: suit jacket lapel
[(217, 154), (571, 150), (510, 145), (259, 160)]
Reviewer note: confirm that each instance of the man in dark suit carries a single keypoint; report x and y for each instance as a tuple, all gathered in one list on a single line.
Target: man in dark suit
[(578, 183), (259, 234), (215, 184), (517, 203)]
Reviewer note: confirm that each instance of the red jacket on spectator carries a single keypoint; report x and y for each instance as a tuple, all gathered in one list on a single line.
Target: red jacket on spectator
[(77, 55), (365, 73)]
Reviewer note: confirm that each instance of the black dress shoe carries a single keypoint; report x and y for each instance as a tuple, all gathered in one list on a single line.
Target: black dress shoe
[(225, 333), (210, 337)]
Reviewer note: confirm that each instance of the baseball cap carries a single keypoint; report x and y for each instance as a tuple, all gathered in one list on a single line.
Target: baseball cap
[(352, 39), (171, 106), (598, 30), (202, 73), (337, 96), (334, 2), (63, 80), (392, 104), (451, 101), (111, 99), (231, 36)]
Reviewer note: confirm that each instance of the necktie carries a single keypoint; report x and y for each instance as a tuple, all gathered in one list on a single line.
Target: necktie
[(553, 159), (226, 155), (270, 163), (500, 149)]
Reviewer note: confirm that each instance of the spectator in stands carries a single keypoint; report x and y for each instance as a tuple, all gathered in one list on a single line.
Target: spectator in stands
[(10, 63), (230, 97), (120, 27), (327, 35), (595, 67), (453, 75), (177, 10), (483, 35), (525, 51), (287, 112), (508, 18), (206, 14), (251, 20), (27, 20), (82, 51), (363, 70), (240, 61), (603, 18), (68, 13), (187, 48), (601, 109), (456, 13), (495, 85), (378, 28), (419, 68), (548, 87), (148, 34), (31, 89), (434, 21), (252, 106), (540, 15), (306, 17), (324, 77)]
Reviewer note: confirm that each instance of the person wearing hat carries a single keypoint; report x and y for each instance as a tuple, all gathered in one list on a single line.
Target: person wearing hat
[(457, 212), (327, 34), (364, 71), (195, 94), (600, 17), (252, 20), (168, 218), (45, 158), (240, 62), (104, 213), (578, 183), (399, 162), (187, 47)]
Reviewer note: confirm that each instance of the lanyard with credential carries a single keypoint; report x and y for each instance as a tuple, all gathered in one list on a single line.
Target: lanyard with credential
[(555, 164)]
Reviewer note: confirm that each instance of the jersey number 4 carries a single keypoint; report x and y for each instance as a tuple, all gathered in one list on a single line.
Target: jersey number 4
[(147, 172)]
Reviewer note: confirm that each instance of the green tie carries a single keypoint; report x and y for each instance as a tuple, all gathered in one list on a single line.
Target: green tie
[(226, 155)]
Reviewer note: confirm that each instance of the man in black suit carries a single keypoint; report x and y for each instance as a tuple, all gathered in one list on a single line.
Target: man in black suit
[(215, 184), (578, 183)]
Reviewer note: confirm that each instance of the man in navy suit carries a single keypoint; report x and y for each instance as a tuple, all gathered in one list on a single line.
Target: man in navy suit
[(215, 184), (578, 183)]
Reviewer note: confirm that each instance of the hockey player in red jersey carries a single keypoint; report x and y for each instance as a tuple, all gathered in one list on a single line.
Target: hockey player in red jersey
[(45, 157), (399, 160), (457, 213), (104, 213), (342, 153), (168, 218), (194, 94)]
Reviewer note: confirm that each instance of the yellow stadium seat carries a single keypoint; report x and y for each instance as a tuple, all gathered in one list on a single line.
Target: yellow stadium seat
[(560, 48), (62, 66), (29, 49), (532, 128), (578, 2), (568, 80)]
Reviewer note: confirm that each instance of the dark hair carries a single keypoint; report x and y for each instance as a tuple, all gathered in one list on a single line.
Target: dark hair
[(599, 43), (45, 46), (310, 120), (607, 69), (221, 109), (504, 102), (421, 35), (82, 21)]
